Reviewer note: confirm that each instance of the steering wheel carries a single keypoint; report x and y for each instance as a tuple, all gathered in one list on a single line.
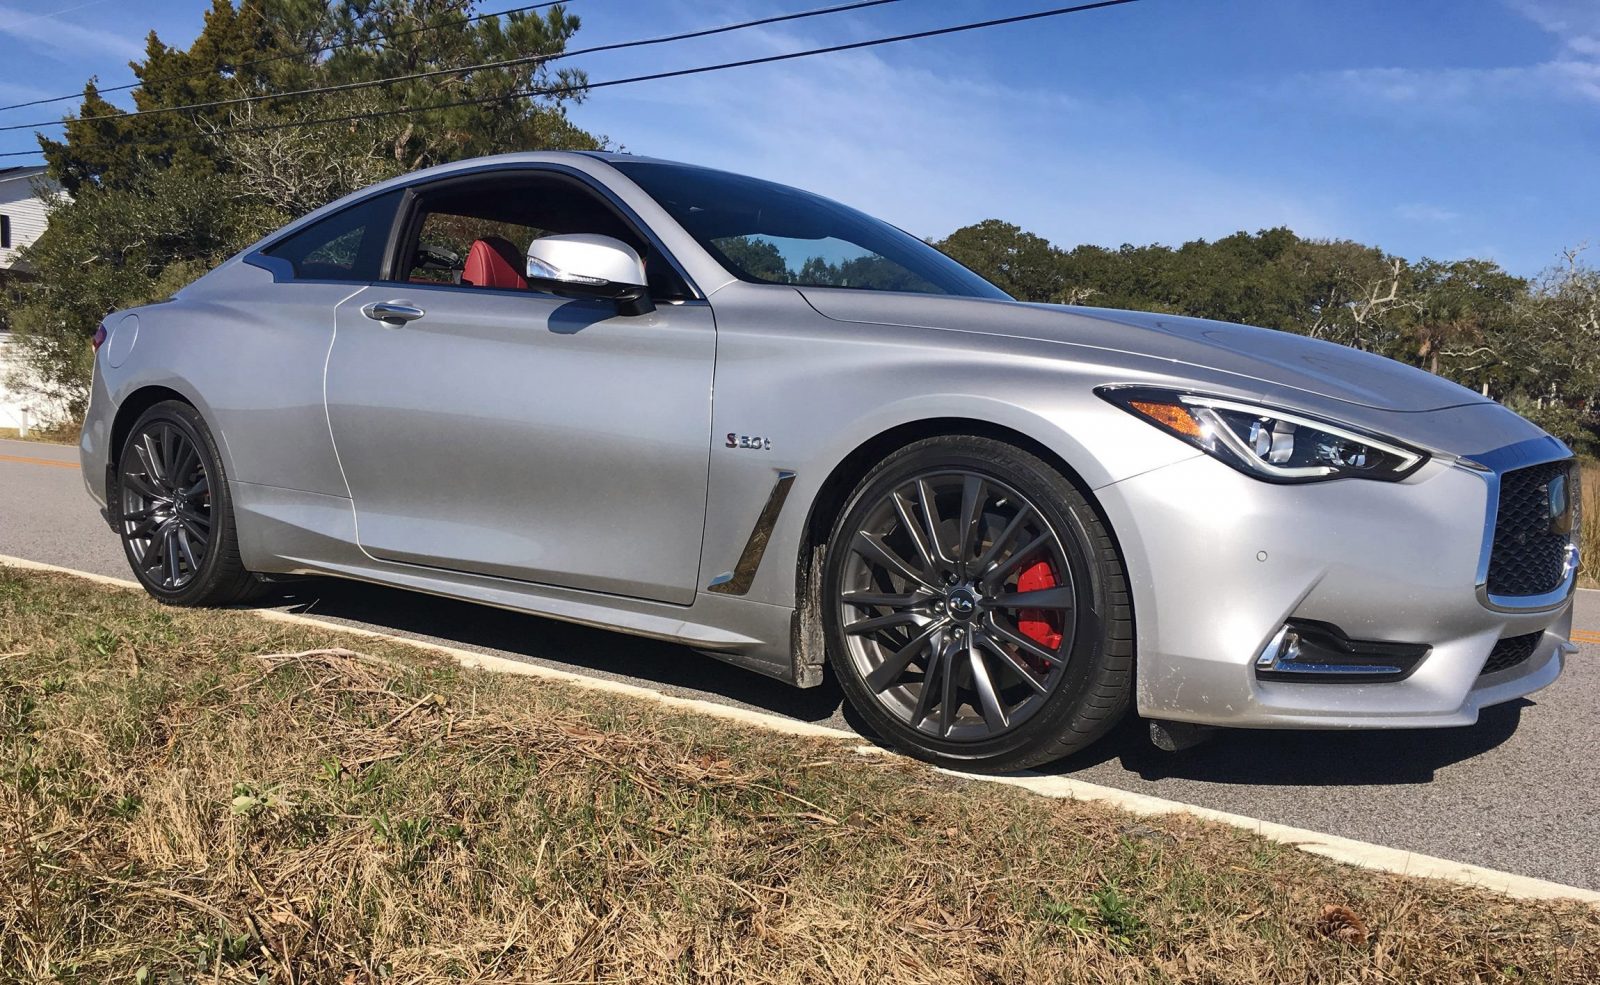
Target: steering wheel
[(431, 257)]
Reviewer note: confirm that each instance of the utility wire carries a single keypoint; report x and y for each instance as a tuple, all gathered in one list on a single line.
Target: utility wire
[(655, 76), (481, 66), (375, 39)]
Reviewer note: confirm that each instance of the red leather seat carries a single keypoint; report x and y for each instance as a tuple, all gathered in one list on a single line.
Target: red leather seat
[(494, 262)]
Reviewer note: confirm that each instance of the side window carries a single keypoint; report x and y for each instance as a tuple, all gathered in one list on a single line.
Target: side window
[(470, 251), (347, 245), (474, 233)]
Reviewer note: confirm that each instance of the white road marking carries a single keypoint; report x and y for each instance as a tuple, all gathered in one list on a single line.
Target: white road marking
[(1345, 850)]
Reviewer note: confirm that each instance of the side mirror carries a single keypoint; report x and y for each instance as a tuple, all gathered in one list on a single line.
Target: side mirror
[(585, 265)]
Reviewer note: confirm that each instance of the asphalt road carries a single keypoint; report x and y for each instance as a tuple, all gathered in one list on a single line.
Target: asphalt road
[(1519, 791)]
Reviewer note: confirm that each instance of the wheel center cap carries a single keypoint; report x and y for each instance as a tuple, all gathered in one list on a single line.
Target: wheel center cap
[(962, 604)]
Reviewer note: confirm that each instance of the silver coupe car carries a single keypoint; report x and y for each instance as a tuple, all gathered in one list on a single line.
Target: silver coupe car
[(701, 407)]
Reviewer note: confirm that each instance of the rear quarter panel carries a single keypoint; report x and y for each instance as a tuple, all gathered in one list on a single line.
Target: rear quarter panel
[(249, 354)]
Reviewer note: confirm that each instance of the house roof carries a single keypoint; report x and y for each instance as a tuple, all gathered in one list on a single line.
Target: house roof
[(21, 172)]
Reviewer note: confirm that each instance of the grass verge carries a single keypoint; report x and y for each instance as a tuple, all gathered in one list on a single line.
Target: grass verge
[(207, 796)]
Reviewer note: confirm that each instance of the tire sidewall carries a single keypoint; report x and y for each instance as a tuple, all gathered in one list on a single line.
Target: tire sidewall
[(1068, 514)]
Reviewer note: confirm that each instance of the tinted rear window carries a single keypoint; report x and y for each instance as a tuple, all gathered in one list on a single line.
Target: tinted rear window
[(347, 245)]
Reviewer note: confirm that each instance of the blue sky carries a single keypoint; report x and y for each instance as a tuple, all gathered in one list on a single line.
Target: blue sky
[(1444, 128)]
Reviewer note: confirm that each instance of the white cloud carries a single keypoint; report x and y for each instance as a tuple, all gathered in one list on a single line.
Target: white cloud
[(1572, 71), (932, 151), (17, 92), (1420, 212), (65, 39), (932, 143), (1464, 91), (1580, 77), (1576, 23)]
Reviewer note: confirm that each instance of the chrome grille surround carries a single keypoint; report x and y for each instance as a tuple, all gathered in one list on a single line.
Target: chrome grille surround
[(1492, 467), (1530, 554)]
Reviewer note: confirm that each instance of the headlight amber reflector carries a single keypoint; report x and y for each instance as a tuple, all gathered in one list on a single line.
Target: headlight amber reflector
[(1266, 442)]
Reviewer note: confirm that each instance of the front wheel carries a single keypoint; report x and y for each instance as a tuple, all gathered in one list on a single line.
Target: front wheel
[(976, 608), (174, 512)]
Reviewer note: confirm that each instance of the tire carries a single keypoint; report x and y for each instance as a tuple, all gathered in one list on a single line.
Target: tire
[(174, 512), (995, 638)]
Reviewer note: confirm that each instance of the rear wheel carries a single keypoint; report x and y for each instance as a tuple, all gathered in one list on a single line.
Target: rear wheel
[(976, 607), (174, 513)]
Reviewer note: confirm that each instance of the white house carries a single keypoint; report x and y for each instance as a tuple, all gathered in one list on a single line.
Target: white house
[(22, 220)]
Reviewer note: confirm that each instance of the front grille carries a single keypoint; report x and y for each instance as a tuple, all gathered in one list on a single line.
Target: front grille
[(1511, 651), (1529, 557)]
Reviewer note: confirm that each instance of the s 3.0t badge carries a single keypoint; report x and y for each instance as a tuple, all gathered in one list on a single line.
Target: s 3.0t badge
[(754, 442)]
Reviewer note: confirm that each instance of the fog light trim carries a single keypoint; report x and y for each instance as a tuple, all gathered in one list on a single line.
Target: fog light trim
[(1319, 652)]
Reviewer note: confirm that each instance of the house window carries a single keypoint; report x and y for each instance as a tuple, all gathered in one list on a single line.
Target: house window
[(5, 232)]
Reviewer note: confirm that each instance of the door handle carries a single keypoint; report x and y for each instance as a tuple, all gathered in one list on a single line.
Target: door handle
[(392, 312)]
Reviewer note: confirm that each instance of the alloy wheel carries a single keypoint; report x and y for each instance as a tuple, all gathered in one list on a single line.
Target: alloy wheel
[(165, 505), (957, 605)]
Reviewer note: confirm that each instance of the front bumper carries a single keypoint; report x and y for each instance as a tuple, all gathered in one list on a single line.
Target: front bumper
[(1218, 563)]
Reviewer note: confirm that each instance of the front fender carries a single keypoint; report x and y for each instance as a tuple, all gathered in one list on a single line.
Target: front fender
[(820, 390)]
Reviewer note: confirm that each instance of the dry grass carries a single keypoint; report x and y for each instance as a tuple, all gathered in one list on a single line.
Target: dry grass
[(66, 434), (1590, 537), (204, 796)]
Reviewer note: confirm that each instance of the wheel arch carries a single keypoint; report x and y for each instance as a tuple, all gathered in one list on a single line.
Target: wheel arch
[(220, 577), (834, 492), (128, 413), (836, 488)]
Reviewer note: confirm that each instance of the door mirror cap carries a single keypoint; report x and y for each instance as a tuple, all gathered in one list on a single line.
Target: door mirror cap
[(586, 265)]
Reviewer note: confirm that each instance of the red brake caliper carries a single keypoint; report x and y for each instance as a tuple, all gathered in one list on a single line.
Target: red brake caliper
[(1040, 625)]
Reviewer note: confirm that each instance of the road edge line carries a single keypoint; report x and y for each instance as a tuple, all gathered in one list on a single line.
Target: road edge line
[(1348, 851), (1337, 848), (484, 661)]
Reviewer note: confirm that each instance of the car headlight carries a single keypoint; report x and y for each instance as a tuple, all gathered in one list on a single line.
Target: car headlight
[(1264, 442)]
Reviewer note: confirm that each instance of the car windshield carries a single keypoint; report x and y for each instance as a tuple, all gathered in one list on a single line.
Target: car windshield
[(772, 234)]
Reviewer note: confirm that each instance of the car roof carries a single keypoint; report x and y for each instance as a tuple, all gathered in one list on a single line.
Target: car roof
[(579, 158), (549, 157), (706, 276)]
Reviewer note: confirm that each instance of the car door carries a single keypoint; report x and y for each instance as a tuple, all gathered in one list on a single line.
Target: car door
[(517, 434)]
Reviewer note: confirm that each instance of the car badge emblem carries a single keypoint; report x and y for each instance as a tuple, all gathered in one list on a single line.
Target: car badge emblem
[(962, 604)]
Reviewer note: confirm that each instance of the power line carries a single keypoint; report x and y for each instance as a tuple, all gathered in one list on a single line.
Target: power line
[(481, 66), (652, 77), (375, 39)]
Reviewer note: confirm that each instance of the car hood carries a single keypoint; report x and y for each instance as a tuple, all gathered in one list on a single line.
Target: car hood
[(1258, 358)]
